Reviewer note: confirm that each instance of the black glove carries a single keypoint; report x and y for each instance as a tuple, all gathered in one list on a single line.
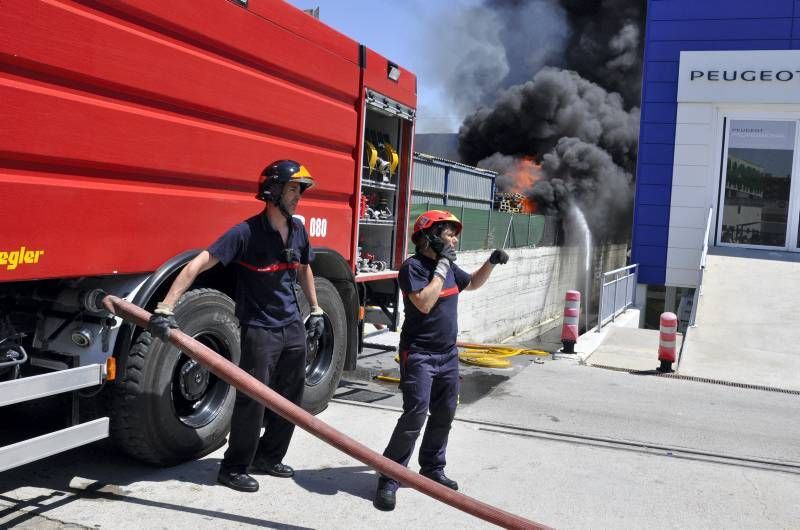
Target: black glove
[(442, 250), (161, 321), (498, 257), (448, 253), (315, 324)]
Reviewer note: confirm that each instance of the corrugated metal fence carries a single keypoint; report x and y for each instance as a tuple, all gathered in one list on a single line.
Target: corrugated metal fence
[(437, 180)]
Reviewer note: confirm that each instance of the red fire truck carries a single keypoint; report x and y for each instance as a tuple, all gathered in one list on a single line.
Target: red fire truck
[(132, 134)]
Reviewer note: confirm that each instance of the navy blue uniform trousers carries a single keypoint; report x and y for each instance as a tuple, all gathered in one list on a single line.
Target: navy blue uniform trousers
[(276, 357), (429, 382)]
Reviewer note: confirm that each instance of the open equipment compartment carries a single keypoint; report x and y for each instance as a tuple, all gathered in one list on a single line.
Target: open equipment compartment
[(385, 171), (385, 174)]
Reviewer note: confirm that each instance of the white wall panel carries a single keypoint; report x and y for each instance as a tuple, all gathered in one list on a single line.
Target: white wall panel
[(684, 258), (685, 217), (691, 238), (691, 155), (701, 176), (693, 181), (689, 196), (682, 277), (695, 113), (692, 133)]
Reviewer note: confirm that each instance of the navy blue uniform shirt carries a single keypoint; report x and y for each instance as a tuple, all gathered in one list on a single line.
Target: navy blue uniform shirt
[(265, 295), (436, 331)]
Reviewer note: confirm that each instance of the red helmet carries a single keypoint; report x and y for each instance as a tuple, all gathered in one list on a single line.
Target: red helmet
[(431, 217)]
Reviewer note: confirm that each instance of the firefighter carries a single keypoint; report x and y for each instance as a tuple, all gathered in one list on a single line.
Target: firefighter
[(269, 252), (430, 282)]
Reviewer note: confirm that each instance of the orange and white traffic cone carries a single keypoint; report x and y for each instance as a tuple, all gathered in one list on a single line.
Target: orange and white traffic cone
[(569, 331), (667, 341)]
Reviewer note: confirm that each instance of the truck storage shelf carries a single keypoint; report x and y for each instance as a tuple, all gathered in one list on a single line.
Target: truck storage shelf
[(367, 183), (376, 222), (370, 276)]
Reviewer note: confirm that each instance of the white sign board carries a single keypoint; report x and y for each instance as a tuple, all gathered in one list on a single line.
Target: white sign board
[(753, 76), (761, 134)]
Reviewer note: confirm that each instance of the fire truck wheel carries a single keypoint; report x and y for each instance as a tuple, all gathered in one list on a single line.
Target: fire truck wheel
[(165, 407), (325, 357)]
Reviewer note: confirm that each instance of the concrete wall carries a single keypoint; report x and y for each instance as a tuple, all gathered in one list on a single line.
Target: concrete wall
[(528, 292)]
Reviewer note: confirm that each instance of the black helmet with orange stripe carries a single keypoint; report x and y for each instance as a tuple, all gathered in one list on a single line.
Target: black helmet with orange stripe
[(277, 175)]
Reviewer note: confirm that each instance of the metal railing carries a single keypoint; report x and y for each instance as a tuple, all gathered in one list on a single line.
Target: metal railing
[(703, 255), (617, 293)]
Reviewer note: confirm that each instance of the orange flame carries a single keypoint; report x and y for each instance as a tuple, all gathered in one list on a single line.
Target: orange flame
[(528, 205), (525, 174)]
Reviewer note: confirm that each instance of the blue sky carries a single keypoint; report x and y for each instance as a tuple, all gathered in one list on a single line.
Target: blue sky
[(403, 31)]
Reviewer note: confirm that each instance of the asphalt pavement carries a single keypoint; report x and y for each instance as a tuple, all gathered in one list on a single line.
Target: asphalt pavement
[(551, 439)]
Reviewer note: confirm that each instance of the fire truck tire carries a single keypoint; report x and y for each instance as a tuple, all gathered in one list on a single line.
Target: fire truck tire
[(165, 408), (325, 358)]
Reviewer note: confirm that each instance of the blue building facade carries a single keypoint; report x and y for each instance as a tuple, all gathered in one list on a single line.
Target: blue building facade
[(720, 104)]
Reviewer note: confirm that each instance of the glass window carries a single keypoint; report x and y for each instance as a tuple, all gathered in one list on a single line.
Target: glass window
[(757, 182)]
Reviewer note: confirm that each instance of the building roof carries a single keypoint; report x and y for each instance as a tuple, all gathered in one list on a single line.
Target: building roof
[(451, 163)]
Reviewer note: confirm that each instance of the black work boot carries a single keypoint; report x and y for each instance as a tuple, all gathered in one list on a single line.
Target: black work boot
[(237, 480), (276, 469), (384, 498), (442, 479)]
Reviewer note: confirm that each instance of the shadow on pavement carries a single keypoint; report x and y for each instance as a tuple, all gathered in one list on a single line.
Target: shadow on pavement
[(70, 479), (358, 481)]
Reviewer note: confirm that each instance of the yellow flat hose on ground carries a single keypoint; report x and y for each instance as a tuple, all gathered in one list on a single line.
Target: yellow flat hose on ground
[(481, 359), (389, 378), (501, 348), (493, 352), (492, 355), (488, 355)]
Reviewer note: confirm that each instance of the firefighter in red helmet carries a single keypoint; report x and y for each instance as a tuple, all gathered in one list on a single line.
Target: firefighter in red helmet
[(269, 253), (430, 282)]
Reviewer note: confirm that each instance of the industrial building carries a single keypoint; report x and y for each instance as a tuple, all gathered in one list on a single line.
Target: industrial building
[(718, 140), (717, 206)]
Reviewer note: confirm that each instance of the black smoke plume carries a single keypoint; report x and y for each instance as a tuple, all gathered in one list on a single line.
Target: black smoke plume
[(605, 45), (501, 43), (530, 119), (557, 81), (587, 174)]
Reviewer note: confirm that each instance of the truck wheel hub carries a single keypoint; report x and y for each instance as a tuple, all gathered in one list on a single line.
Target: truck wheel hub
[(193, 380), (319, 354), (312, 348)]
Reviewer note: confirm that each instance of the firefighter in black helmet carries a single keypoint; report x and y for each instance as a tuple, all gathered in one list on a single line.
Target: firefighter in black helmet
[(270, 253), (276, 176)]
